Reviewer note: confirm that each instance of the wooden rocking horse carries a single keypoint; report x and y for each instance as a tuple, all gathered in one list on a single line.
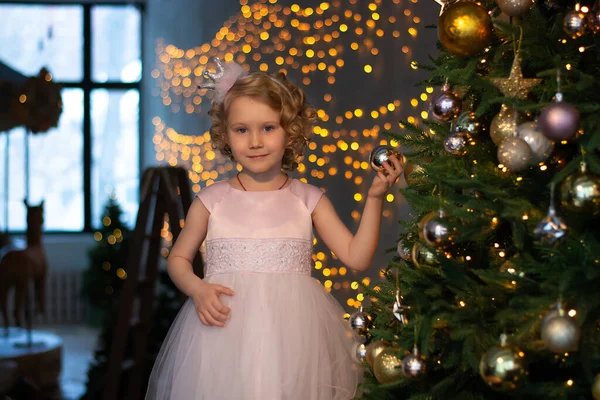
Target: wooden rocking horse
[(20, 267)]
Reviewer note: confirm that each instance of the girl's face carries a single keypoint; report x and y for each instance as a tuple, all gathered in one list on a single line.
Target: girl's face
[(255, 135)]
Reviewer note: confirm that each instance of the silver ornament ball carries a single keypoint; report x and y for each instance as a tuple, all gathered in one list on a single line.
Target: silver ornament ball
[(467, 121), (514, 8), (439, 232), (574, 24), (560, 333), (540, 146), (360, 322), (551, 228), (559, 121), (514, 153), (381, 154), (457, 143), (413, 365), (403, 251), (360, 353), (446, 106)]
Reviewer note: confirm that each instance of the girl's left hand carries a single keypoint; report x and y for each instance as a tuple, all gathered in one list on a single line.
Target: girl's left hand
[(384, 181)]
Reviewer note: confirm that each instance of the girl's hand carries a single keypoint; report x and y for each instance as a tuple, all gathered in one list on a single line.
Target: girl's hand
[(210, 309), (384, 180)]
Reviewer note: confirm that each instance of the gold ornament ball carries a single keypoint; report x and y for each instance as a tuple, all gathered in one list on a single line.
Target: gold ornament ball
[(465, 28), (580, 192), (596, 388), (374, 349), (421, 255), (387, 366), (411, 168), (514, 8), (504, 124), (503, 367), (428, 217)]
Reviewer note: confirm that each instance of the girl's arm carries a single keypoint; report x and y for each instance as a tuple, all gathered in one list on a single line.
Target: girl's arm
[(186, 247), (356, 251), (205, 296)]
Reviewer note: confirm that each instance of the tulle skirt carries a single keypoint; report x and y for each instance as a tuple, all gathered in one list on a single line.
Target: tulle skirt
[(285, 340)]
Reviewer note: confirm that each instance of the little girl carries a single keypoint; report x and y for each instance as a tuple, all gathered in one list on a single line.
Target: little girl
[(258, 326)]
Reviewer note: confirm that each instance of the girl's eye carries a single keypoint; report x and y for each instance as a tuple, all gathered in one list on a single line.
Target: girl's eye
[(241, 130), (269, 128)]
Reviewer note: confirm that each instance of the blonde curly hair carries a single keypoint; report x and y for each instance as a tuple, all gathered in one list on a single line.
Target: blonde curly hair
[(297, 115)]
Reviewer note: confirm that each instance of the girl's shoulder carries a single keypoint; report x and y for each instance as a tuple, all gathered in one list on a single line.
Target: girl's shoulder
[(213, 194), (307, 193)]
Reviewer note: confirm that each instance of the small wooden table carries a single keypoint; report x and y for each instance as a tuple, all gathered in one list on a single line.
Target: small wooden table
[(41, 363)]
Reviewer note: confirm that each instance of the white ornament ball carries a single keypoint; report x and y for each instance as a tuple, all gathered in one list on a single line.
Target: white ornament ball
[(541, 147)]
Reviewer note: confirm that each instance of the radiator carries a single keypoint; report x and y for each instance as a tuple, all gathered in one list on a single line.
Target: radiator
[(63, 301), (64, 304)]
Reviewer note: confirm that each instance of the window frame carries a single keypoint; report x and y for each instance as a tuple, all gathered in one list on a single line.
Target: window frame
[(88, 85)]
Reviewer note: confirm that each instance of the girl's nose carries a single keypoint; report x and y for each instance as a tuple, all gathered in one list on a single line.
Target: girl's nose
[(255, 140)]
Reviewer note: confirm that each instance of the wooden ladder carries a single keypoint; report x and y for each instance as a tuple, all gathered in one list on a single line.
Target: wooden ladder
[(164, 191)]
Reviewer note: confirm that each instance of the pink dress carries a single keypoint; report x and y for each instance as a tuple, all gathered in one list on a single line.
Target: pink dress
[(286, 338)]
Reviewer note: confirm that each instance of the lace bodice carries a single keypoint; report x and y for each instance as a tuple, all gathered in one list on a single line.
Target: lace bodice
[(263, 232)]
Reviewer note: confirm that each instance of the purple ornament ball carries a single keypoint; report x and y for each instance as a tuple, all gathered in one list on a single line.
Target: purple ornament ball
[(559, 121)]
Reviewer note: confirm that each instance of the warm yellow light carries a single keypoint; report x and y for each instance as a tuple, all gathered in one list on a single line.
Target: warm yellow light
[(368, 69)]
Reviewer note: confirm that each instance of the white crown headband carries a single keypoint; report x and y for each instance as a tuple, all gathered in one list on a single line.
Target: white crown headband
[(226, 76)]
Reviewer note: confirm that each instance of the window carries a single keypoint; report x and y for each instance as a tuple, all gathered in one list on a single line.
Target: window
[(94, 51)]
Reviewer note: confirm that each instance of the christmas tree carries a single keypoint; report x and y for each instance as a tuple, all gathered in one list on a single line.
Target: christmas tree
[(493, 293), (103, 280)]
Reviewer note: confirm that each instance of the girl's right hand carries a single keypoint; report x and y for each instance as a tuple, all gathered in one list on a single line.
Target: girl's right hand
[(210, 309)]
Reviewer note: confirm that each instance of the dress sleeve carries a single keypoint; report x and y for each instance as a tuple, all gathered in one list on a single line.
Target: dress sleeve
[(211, 195), (312, 195)]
